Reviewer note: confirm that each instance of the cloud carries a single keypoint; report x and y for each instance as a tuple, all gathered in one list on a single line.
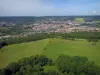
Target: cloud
[(45, 7), (94, 12), (24, 7)]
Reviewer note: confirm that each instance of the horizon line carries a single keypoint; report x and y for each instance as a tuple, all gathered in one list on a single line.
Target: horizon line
[(50, 16)]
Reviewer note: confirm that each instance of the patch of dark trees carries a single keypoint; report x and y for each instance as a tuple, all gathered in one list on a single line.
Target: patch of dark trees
[(2, 44), (64, 65), (90, 36)]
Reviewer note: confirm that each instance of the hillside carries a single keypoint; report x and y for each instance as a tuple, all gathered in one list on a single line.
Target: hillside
[(52, 48)]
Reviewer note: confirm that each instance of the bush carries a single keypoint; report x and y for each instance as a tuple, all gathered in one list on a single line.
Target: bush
[(65, 65)]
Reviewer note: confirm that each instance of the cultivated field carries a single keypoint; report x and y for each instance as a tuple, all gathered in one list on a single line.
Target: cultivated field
[(52, 48)]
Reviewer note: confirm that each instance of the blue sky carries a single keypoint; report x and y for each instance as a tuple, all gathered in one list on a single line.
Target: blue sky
[(49, 7)]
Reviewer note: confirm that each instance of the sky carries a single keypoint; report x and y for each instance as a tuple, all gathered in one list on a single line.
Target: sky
[(49, 7)]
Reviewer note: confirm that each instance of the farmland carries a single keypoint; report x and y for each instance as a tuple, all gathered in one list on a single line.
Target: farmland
[(52, 48)]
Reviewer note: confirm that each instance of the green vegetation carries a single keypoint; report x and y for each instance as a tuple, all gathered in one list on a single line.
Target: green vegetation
[(16, 51), (80, 20), (90, 36), (52, 48), (41, 65), (98, 24)]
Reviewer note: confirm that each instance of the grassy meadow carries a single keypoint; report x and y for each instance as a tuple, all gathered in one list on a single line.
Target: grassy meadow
[(79, 20), (52, 48)]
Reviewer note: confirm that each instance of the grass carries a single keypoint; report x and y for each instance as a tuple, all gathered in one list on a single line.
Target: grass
[(52, 50), (17, 51), (79, 20), (50, 68)]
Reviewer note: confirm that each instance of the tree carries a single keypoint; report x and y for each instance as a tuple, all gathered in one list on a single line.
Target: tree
[(13, 67), (63, 63)]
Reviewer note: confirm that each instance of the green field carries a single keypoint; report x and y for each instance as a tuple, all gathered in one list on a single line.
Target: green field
[(80, 20), (52, 48)]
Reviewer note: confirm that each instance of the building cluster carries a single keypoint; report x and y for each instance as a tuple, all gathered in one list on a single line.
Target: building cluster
[(51, 26), (65, 26)]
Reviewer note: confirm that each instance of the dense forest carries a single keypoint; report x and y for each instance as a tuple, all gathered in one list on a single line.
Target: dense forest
[(64, 65)]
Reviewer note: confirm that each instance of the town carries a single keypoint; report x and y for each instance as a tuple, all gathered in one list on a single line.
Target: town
[(62, 26), (18, 28)]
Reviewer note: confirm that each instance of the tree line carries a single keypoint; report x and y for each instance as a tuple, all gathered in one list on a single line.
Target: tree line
[(90, 36), (65, 65)]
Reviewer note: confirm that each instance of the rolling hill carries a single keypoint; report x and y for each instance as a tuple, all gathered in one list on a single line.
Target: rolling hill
[(52, 48)]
